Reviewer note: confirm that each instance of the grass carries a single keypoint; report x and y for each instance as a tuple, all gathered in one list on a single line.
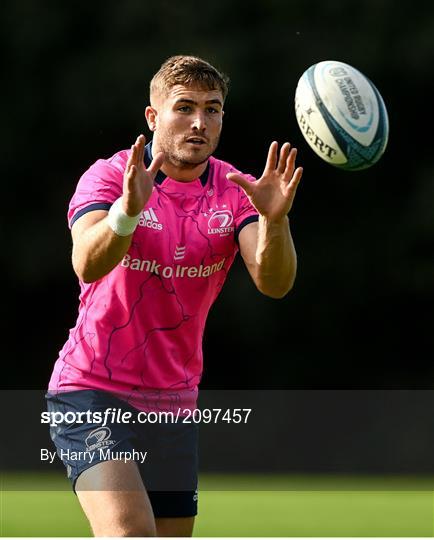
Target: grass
[(42, 505)]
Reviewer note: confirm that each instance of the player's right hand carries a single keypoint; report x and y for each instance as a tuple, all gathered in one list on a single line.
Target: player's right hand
[(139, 181)]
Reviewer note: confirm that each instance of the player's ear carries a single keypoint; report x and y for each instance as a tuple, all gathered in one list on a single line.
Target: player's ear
[(151, 117)]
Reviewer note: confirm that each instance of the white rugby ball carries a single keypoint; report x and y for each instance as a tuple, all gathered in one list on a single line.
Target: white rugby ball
[(341, 115)]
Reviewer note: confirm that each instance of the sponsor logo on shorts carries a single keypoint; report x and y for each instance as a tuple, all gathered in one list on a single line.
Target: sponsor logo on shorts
[(99, 438)]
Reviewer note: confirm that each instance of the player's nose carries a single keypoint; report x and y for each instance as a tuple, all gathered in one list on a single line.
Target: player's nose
[(199, 121)]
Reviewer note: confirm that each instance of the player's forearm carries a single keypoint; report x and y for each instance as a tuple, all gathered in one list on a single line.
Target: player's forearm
[(276, 259), (97, 251)]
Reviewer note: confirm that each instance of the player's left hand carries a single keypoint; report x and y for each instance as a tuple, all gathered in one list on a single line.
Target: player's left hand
[(273, 194)]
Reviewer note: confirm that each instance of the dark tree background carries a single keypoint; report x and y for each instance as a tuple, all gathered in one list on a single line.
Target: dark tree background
[(75, 84)]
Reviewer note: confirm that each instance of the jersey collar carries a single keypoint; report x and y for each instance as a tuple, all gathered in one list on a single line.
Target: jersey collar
[(161, 176)]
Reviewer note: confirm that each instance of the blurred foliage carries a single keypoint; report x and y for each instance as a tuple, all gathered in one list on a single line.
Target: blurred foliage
[(75, 86)]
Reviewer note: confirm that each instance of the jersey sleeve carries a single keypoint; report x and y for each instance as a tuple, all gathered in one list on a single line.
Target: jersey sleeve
[(246, 213), (99, 187)]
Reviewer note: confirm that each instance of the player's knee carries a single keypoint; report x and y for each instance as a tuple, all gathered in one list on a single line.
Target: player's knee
[(136, 530), (128, 526)]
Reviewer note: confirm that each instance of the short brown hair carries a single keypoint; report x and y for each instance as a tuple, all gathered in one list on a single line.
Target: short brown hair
[(188, 71)]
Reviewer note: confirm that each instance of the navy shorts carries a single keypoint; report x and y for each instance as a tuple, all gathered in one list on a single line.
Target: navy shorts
[(165, 452)]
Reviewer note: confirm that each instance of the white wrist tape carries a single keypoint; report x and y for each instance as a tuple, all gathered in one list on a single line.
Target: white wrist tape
[(120, 222)]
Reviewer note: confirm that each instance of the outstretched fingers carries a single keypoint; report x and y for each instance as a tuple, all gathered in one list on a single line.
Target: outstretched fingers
[(156, 164), (131, 173), (271, 162), (291, 187), (290, 164), (283, 158), (285, 164), (137, 151), (140, 143), (241, 181), (135, 159), (131, 158)]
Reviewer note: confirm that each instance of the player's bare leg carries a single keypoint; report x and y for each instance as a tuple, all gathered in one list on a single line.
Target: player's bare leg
[(115, 501), (175, 526)]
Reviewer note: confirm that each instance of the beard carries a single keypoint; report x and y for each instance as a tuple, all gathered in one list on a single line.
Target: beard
[(182, 155), (186, 163)]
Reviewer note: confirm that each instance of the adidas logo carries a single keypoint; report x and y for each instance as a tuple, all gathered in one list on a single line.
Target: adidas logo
[(150, 220)]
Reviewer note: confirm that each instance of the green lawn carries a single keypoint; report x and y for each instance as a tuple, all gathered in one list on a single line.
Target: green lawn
[(244, 506)]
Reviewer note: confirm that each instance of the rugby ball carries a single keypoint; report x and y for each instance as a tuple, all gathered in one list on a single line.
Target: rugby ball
[(342, 115)]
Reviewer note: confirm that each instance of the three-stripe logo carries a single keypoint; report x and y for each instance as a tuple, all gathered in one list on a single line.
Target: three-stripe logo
[(150, 220)]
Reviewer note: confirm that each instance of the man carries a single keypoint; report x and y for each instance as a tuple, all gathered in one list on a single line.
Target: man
[(155, 230)]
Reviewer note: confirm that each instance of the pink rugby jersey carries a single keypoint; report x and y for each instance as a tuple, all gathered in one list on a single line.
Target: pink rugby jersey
[(139, 328)]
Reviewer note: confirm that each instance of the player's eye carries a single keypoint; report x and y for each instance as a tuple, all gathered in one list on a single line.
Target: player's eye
[(184, 109), (212, 110)]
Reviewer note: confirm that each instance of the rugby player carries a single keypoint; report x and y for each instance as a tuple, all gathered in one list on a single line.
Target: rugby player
[(155, 229)]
